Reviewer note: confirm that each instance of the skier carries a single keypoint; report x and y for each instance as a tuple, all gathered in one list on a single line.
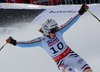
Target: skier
[(52, 42)]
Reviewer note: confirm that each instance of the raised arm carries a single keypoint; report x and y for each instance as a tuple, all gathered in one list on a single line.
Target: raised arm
[(72, 21), (25, 44)]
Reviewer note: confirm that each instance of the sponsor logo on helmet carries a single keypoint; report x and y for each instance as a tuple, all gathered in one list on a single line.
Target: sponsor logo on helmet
[(54, 25)]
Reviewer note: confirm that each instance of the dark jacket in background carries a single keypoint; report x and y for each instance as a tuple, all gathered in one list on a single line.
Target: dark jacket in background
[(2, 1)]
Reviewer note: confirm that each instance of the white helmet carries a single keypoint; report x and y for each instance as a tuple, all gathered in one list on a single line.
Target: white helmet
[(49, 26)]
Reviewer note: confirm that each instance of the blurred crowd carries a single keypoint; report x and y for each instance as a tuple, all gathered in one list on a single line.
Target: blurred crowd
[(80, 1), (2, 1), (53, 2), (14, 1)]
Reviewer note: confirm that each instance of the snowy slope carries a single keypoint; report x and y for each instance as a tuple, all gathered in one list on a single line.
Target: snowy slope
[(83, 38)]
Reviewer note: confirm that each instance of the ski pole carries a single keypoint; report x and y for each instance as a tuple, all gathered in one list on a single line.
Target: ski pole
[(3, 46), (93, 15)]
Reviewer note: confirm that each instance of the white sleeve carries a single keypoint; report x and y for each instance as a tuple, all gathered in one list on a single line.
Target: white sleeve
[(31, 43), (68, 24)]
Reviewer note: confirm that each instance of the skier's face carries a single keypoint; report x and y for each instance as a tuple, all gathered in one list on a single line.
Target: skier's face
[(52, 35), (53, 31)]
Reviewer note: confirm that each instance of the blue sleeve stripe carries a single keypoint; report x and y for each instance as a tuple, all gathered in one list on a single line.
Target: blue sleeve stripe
[(29, 45), (69, 24)]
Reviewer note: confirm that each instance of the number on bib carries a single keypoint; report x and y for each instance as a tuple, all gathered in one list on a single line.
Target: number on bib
[(60, 46)]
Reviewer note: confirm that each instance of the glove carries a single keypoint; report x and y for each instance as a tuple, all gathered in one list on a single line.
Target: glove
[(11, 41), (83, 9)]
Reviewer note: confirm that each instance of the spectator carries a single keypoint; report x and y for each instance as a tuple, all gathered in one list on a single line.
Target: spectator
[(69, 1), (2, 1), (27, 1)]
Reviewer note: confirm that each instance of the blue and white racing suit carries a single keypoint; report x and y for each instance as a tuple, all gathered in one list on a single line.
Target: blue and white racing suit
[(59, 50)]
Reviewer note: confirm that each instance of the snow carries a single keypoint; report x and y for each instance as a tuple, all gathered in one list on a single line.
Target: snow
[(22, 6), (83, 38)]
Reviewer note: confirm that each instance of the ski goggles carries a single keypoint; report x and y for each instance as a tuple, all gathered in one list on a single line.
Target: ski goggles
[(54, 30)]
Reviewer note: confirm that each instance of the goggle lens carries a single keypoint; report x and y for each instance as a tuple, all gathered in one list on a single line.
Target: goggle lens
[(54, 30)]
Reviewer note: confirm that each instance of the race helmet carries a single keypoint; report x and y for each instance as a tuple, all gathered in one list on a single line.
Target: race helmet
[(49, 26)]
